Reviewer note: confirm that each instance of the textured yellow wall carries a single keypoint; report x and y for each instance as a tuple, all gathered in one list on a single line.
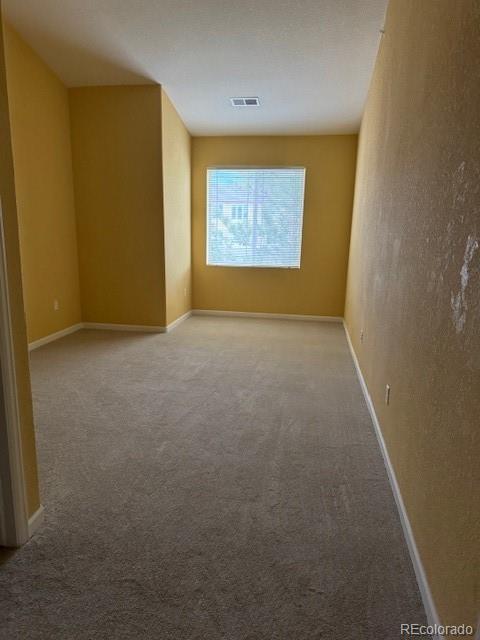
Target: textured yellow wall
[(40, 125), (414, 281), (12, 247), (177, 215), (318, 287), (117, 160)]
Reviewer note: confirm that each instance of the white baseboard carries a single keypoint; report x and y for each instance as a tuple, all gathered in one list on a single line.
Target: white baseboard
[(427, 598), (178, 321), (124, 327), (54, 336), (102, 325), (35, 521), (159, 329), (271, 316)]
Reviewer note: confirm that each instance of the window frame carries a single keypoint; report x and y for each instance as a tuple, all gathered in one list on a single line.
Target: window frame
[(253, 168)]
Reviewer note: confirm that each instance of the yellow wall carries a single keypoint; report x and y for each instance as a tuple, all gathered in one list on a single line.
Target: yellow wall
[(40, 126), (177, 216), (318, 287), (12, 247), (117, 159), (414, 279)]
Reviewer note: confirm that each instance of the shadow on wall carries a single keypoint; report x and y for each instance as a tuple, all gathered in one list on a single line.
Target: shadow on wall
[(107, 67)]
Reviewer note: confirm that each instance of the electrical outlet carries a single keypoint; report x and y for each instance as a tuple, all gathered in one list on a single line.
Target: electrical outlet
[(387, 394), (56, 306)]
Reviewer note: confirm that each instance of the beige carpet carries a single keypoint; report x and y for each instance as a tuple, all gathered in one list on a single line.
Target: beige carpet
[(220, 482)]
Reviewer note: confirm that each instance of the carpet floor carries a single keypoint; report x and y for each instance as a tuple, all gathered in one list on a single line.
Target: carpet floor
[(219, 482)]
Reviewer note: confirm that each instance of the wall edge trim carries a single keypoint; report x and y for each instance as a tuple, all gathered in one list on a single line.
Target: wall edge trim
[(13, 494), (421, 576), (54, 336), (178, 321), (35, 521), (124, 327), (272, 316)]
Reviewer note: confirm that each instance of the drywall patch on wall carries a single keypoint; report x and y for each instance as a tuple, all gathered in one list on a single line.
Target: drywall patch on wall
[(460, 185), (459, 300)]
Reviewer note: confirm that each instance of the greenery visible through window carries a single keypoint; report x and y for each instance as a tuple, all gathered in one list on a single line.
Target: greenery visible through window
[(254, 217)]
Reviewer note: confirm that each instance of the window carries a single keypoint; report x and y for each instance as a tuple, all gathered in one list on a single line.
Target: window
[(254, 217), (238, 212)]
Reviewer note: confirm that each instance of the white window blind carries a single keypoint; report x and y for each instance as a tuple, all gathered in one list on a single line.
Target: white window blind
[(255, 216)]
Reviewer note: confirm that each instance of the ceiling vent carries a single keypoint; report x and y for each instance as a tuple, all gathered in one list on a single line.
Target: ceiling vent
[(245, 102)]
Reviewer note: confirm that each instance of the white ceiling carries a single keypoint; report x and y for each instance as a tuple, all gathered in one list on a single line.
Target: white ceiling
[(309, 61)]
